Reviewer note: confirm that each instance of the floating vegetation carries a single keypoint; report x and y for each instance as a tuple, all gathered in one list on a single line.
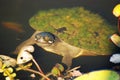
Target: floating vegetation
[(7, 72), (115, 37), (58, 73)]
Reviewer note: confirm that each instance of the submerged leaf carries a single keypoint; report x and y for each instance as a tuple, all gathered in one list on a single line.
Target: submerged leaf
[(55, 71), (60, 67)]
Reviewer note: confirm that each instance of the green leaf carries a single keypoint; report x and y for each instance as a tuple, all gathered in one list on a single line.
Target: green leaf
[(55, 71), (100, 75), (60, 67)]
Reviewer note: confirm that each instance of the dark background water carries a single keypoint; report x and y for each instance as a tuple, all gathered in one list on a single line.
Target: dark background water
[(21, 11)]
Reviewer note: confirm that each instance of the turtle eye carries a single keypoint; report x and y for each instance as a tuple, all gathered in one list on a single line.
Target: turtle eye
[(37, 37)]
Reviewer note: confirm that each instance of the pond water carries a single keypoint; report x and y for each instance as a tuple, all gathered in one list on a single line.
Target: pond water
[(20, 11)]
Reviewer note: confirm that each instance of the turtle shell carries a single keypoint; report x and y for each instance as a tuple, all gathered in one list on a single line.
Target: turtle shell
[(76, 26)]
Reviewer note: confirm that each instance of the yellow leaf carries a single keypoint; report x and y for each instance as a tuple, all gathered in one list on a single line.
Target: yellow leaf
[(116, 10), (13, 75), (10, 70)]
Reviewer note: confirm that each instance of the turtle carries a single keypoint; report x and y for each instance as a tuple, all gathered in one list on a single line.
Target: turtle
[(71, 32)]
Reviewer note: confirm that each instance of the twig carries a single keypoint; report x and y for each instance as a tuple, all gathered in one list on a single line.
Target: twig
[(37, 66), (27, 68), (31, 70), (73, 69)]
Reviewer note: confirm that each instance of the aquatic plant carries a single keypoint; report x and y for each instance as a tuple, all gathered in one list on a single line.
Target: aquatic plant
[(57, 72), (7, 72), (57, 69), (115, 38), (100, 75), (116, 10), (7, 65)]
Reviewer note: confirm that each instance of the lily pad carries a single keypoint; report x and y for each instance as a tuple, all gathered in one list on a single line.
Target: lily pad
[(100, 75), (78, 27)]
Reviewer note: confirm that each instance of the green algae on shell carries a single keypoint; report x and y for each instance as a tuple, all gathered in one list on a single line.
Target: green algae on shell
[(84, 29)]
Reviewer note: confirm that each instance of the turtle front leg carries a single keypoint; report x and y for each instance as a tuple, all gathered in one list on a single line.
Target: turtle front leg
[(67, 60)]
